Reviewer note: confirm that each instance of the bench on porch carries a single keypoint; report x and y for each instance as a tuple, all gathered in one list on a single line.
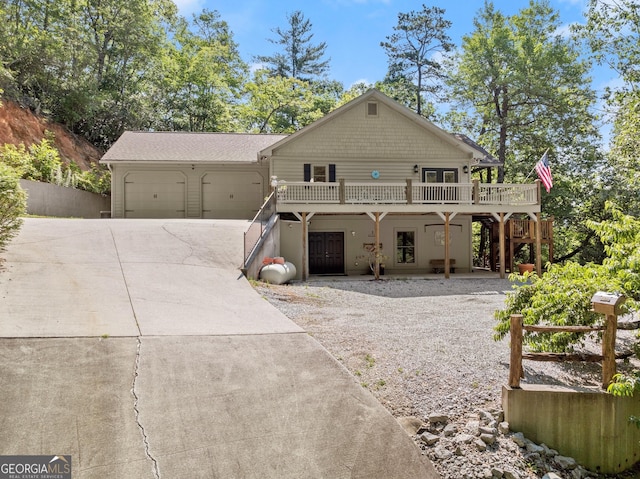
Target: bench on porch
[(437, 265)]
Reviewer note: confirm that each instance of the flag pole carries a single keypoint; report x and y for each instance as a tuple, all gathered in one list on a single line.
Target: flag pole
[(534, 166)]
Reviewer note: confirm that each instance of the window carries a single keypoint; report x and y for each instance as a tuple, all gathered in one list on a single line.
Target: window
[(405, 247), (320, 173), (372, 109), (440, 175)]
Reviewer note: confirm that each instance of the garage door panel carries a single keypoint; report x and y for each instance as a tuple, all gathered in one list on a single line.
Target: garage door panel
[(231, 195), (155, 194)]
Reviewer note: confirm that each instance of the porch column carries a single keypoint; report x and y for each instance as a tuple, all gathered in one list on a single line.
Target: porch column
[(502, 248), (512, 250), (538, 245), (305, 247), (447, 232), (376, 269)]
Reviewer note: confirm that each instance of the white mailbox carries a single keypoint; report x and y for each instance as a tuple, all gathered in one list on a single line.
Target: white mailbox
[(607, 303)]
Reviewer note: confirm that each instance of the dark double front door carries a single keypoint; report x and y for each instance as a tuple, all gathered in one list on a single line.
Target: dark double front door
[(326, 253)]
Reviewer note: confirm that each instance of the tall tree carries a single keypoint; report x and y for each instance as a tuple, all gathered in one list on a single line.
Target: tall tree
[(271, 101), (414, 50), (202, 76), (525, 89), (612, 32), (299, 58), (524, 84)]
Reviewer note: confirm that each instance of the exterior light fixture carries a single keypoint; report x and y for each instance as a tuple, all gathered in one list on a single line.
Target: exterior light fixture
[(465, 169), (415, 168)]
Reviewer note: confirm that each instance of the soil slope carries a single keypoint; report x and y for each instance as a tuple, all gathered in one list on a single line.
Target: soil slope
[(20, 125)]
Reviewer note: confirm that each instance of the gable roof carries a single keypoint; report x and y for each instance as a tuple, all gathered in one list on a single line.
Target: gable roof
[(487, 160), (171, 147), (376, 95)]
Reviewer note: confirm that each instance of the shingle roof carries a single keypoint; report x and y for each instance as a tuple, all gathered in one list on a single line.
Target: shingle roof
[(142, 146), (486, 160)]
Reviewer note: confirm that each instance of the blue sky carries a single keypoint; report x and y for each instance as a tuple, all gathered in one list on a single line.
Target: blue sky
[(353, 29)]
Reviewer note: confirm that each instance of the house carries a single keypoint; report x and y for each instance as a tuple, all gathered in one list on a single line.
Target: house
[(373, 184), (188, 175)]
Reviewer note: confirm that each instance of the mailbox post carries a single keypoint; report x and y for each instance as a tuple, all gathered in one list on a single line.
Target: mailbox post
[(609, 305)]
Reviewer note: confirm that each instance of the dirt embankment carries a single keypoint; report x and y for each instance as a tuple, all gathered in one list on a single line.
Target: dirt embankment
[(20, 125)]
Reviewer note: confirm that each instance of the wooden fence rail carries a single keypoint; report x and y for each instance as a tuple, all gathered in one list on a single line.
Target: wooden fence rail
[(608, 356)]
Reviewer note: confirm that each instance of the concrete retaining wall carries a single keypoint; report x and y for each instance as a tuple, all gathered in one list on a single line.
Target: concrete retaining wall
[(46, 199), (591, 426), (270, 246)]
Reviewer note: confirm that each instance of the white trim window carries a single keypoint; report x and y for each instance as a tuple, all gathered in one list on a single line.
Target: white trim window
[(405, 247)]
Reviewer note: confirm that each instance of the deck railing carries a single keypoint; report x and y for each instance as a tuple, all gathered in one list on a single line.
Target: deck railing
[(408, 192)]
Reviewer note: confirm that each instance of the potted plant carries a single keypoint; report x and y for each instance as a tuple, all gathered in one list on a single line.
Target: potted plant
[(525, 268)]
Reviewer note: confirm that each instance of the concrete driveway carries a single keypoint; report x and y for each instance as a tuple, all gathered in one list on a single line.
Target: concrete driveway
[(137, 347)]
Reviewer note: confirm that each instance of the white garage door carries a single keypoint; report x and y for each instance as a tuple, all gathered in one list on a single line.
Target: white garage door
[(154, 194), (231, 194)]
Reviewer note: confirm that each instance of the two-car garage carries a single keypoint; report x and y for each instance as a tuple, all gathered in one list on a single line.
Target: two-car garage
[(188, 175)]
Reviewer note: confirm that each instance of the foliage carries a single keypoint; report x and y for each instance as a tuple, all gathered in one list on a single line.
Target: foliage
[(202, 76), (13, 203), (562, 296), (412, 50), (300, 59), (278, 104), (525, 88), (41, 162)]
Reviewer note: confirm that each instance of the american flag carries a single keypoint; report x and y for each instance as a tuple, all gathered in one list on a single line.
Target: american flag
[(544, 172)]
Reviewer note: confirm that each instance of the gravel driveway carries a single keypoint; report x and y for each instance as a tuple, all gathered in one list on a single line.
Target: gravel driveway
[(422, 346)]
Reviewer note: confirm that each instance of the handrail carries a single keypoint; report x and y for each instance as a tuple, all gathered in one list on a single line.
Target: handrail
[(258, 225), (608, 356)]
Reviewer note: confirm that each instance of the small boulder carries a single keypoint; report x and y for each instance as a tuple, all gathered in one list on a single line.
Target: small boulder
[(463, 439), (429, 439), (565, 462), (503, 427), (450, 430), (488, 438), (519, 439), (442, 453), (438, 418), (411, 424), (551, 475), (480, 445)]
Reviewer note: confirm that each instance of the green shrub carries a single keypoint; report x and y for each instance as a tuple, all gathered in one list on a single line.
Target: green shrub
[(562, 296), (13, 203)]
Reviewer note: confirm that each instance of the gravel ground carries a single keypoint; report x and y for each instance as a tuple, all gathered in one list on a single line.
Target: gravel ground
[(425, 346)]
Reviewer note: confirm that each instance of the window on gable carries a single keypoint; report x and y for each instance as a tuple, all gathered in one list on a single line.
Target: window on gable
[(372, 109), (405, 247)]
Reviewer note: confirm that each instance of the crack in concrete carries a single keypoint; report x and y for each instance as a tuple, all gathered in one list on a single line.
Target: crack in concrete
[(145, 438)]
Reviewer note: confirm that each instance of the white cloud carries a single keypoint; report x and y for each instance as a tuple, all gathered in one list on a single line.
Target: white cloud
[(188, 6)]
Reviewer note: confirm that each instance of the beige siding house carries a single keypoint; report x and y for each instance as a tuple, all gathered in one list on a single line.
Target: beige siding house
[(374, 185), (188, 175), (371, 186)]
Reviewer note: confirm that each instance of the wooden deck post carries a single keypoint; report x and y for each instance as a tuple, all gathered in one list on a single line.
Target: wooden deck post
[(512, 243), (377, 247), (409, 191), (343, 192), (538, 244), (609, 350), (502, 248), (515, 363), (305, 247), (447, 232)]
